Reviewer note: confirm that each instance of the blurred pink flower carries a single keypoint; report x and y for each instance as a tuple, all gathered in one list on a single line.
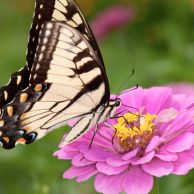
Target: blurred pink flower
[(154, 139), (112, 18)]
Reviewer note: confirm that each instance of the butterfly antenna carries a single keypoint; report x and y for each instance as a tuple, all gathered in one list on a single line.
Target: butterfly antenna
[(134, 88), (124, 82)]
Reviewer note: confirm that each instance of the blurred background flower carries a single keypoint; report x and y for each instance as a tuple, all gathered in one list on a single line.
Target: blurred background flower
[(113, 18), (158, 44)]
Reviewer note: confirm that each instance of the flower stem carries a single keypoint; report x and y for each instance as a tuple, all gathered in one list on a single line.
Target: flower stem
[(155, 189)]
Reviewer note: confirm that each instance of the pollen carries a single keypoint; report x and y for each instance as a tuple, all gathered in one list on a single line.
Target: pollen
[(134, 130)]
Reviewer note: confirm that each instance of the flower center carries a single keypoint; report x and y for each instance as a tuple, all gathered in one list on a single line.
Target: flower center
[(135, 131)]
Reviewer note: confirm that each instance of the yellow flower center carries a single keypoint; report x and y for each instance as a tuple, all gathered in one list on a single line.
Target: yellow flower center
[(134, 130)]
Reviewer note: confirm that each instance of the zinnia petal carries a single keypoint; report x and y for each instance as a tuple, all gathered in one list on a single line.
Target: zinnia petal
[(167, 156), (116, 161), (130, 97), (184, 164), (62, 155), (109, 170), (144, 159), (156, 99), (79, 160), (158, 167), (73, 172), (97, 155), (154, 143), (136, 181), (181, 143), (108, 184), (87, 175)]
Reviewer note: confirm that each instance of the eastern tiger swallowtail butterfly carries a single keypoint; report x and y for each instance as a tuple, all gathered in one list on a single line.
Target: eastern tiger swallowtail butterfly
[(64, 78)]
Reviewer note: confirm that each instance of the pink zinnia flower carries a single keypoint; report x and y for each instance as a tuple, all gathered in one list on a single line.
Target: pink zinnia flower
[(155, 138), (113, 18), (182, 88)]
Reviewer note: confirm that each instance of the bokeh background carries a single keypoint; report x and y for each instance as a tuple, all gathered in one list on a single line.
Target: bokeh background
[(155, 37)]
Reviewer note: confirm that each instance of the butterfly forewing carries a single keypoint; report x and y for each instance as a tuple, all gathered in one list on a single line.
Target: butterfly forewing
[(64, 11)]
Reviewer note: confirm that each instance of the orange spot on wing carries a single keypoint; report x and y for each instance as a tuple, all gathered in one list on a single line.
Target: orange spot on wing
[(6, 139), (21, 140), (38, 87)]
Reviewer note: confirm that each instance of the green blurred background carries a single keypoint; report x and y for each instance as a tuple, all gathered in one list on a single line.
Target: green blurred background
[(158, 44)]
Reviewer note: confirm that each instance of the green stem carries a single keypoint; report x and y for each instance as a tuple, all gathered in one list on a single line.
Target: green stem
[(155, 189)]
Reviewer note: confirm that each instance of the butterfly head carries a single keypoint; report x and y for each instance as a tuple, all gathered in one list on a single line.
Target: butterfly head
[(114, 104), (117, 102)]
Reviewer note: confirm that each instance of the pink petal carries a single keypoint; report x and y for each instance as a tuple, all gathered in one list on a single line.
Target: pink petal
[(108, 184), (158, 167), (130, 155), (182, 88), (181, 143), (87, 175), (132, 98), (116, 161), (154, 143), (106, 133), (65, 155), (189, 103), (109, 170), (80, 161), (69, 148), (167, 156), (136, 181), (97, 155), (190, 152), (179, 101), (156, 99), (184, 164), (76, 171), (142, 160), (182, 122), (183, 102)]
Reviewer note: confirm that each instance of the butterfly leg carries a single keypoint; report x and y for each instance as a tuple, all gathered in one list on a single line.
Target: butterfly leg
[(95, 132)]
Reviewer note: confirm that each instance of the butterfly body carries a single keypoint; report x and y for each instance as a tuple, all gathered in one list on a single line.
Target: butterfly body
[(64, 79)]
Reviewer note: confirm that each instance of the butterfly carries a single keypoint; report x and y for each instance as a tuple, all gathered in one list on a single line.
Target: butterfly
[(64, 78)]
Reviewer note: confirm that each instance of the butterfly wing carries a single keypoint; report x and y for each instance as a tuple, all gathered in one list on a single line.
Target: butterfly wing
[(20, 79), (64, 11), (67, 81)]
